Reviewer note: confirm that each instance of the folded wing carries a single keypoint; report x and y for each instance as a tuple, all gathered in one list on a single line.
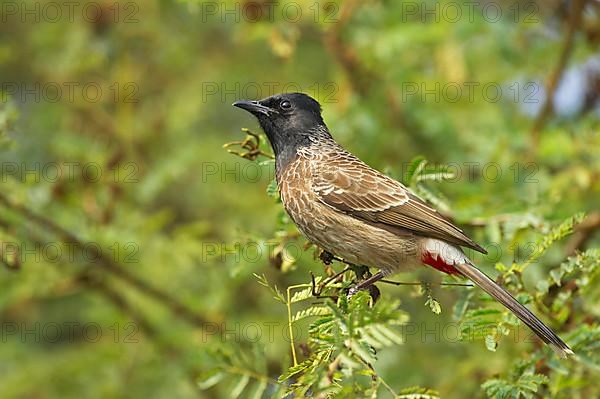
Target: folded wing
[(351, 186)]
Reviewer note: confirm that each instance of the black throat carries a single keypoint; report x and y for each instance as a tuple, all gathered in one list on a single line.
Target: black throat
[(286, 141)]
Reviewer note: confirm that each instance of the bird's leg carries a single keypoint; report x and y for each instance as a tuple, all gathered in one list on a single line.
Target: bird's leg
[(361, 272), (316, 290), (365, 284)]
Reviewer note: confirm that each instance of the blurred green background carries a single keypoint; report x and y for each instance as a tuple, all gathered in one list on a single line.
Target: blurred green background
[(130, 236)]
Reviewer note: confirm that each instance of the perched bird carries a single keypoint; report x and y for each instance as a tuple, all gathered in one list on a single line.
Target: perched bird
[(361, 215)]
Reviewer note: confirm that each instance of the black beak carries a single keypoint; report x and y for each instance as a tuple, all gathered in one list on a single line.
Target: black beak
[(254, 107)]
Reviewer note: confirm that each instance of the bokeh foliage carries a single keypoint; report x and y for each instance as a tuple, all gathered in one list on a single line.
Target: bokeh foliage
[(167, 240)]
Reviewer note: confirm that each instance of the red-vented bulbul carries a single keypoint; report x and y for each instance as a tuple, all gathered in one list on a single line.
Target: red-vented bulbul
[(361, 215)]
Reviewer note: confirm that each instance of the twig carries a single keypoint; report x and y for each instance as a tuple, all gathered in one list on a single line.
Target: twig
[(290, 326), (574, 22), (358, 75), (94, 281), (483, 222), (251, 144), (418, 283), (120, 303), (140, 320), (363, 79), (317, 291), (583, 232), (172, 303)]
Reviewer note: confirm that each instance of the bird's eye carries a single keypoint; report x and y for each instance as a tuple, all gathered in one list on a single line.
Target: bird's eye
[(285, 104)]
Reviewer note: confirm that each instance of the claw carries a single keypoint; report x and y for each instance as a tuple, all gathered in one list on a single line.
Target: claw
[(352, 291)]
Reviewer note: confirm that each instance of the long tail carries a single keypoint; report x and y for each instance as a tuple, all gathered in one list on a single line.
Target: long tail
[(524, 314)]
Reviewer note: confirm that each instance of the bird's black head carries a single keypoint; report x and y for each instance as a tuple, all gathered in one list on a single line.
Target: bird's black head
[(289, 120)]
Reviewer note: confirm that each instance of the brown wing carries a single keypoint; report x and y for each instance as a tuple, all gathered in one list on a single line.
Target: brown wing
[(349, 185)]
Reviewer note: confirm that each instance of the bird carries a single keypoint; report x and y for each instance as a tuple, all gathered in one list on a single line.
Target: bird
[(359, 214)]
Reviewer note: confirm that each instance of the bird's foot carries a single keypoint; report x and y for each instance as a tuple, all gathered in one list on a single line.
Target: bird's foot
[(373, 292), (368, 284), (326, 257)]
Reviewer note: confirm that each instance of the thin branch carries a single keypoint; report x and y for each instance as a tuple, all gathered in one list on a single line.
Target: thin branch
[(397, 283), (574, 23), (418, 283), (177, 307), (140, 320), (120, 303), (90, 278), (364, 79), (583, 232), (358, 75)]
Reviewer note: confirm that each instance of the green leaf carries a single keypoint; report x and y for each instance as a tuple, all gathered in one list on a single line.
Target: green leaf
[(555, 234), (433, 304), (415, 166), (210, 378), (277, 294), (311, 312), (302, 295), (490, 343), (461, 306), (293, 370), (417, 393), (260, 389), (239, 387), (273, 189), (523, 383)]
